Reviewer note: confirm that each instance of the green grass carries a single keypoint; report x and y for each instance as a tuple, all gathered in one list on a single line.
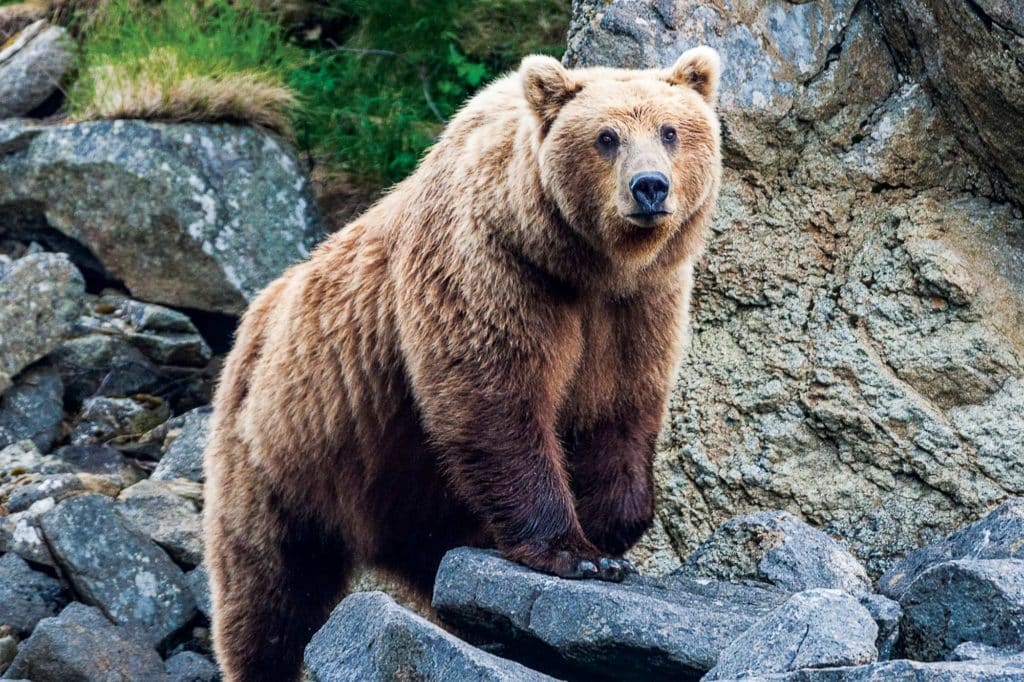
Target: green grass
[(364, 86)]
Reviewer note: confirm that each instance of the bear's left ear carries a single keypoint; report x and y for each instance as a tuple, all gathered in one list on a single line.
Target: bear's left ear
[(697, 68), (548, 86)]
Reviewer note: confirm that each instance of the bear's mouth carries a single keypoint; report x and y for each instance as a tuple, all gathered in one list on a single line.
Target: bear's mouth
[(647, 218)]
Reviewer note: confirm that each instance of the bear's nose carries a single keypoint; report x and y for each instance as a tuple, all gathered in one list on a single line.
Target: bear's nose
[(649, 190)]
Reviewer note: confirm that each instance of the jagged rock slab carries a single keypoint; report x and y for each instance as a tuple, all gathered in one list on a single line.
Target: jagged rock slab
[(961, 601), (80, 644), (644, 627), (40, 297), (31, 68), (20, 534), (777, 548), (184, 457), (26, 596), (226, 210), (24, 494), (199, 582), (103, 419), (887, 615), (126, 575), (999, 535), (370, 638), (814, 629), (189, 666), (99, 460), (171, 521), (32, 408), (902, 671)]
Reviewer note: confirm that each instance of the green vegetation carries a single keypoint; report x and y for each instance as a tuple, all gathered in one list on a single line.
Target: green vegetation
[(363, 85)]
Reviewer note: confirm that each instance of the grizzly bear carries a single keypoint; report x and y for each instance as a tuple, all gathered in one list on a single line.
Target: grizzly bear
[(482, 358)]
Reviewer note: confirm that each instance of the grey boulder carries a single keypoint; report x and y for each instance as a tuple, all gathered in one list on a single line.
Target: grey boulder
[(370, 638), (24, 494), (814, 629), (103, 419), (26, 596), (673, 627), (31, 68), (961, 601), (199, 582), (40, 298), (20, 533), (172, 522), (777, 548), (999, 535), (183, 458), (887, 615), (902, 671), (126, 575), (188, 666), (224, 209), (32, 408), (80, 645)]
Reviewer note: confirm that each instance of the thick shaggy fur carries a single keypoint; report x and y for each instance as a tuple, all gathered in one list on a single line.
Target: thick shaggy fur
[(482, 358)]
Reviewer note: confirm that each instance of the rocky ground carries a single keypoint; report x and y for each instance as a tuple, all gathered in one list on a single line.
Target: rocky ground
[(867, 379)]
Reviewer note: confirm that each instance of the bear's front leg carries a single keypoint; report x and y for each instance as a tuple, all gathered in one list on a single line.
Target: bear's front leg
[(509, 469), (613, 479)]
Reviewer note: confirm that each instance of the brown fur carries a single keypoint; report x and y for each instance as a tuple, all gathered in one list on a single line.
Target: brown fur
[(482, 358)]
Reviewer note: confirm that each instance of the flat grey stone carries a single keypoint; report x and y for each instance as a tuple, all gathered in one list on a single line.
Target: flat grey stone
[(902, 671), (961, 601), (814, 629), (26, 596), (189, 666), (122, 572), (674, 627), (184, 457), (370, 638), (777, 548), (32, 408), (40, 297), (172, 522), (56, 486), (80, 645), (998, 535)]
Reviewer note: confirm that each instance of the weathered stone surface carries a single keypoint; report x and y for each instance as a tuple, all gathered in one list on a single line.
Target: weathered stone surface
[(200, 216), (887, 615), (973, 651), (104, 419), (32, 408), (20, 534), (856, 356), (189, 666), (198, 580), (370, 638), (814, 629), (777, 548), (31, 68), (99, 460), (961, 601), (999, 535), (81, 645), (104, 365), (40, 296), (24, 457), (184, 457), (26, 596), (24, 494), (172, 522), (643, 627), (128, 577), (903, 671)]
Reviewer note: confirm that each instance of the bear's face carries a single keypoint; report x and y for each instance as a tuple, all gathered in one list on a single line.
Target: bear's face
[(627, 156)]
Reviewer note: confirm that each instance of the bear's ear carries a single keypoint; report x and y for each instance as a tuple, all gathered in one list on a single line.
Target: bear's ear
[(548, 86), (697, 68)]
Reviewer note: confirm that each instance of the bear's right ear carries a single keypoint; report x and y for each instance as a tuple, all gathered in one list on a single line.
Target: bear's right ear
[(698, 68), (548, 86)]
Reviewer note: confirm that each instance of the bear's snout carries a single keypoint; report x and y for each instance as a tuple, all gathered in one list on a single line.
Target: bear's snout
[(649, 190)]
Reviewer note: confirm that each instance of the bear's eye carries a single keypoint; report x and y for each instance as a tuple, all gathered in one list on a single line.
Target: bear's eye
[(668, 135), (607, 142)]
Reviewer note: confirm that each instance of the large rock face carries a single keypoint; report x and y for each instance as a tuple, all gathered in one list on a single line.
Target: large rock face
[(196, 216), (857, 355)]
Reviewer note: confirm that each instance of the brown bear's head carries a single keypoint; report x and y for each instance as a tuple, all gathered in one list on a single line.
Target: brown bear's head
[(628, 156)]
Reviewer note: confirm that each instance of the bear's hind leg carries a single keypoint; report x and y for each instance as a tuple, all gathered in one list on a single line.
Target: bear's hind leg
[(274, 582)]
